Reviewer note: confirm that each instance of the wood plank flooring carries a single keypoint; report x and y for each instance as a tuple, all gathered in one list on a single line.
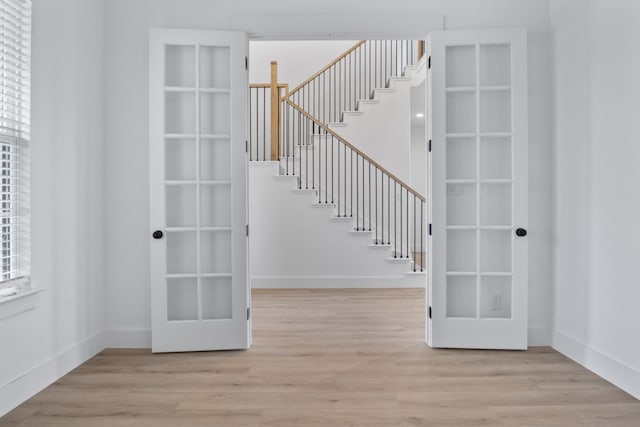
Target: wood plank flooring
[(350, 357)]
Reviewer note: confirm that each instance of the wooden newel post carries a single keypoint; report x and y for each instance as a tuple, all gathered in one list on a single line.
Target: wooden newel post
[(275, 111), (420, 49)]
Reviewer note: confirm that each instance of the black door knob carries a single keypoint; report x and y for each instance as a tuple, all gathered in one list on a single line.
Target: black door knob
[(521, 232), (158, 234)]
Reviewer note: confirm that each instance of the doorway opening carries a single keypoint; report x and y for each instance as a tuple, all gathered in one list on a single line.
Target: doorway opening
[(334, 130)]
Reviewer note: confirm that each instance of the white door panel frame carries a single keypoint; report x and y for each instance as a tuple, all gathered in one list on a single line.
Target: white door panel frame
[(468, 85), (207, 308)]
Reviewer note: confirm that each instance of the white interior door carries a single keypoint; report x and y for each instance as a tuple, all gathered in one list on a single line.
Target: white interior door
[(198, 198), (478, 191)]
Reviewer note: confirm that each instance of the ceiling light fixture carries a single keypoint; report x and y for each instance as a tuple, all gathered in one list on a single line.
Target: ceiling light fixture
[(419, 115)]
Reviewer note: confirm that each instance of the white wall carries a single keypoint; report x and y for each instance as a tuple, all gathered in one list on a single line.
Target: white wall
[(596, 204), (418, 158), (383, 131), (40, 345), (418, 139), (297, 60), (126, 118)]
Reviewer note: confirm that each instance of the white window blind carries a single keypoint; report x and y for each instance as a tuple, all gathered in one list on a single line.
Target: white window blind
[(15, 78)]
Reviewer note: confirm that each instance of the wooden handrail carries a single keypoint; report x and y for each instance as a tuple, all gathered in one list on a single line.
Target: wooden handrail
[(326, 67), (364, 156), (268, 85)]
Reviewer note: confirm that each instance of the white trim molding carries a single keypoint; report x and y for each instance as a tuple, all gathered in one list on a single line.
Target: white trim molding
[(337, 26), (128, 338), (26, 385), (410, 280), (617, 373), (539, 337), (13, 305)]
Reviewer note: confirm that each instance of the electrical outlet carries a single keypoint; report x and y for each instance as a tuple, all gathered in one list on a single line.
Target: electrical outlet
[(455, 189)]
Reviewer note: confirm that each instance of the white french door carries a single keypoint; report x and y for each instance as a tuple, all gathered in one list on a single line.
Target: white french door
[(198, 207), (478, 190)]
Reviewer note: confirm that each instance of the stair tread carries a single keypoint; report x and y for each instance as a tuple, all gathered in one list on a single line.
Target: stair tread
[(391, 259), (385, 247), (263, 162), (417, 273), (342, 218)]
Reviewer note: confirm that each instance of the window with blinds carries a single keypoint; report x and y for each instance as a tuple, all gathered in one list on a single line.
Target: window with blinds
[(15, 59)]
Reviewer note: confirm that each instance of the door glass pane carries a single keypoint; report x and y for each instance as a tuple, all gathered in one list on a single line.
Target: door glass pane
[(495, 251), (215, 252), (461, 158), (215, 113), (180, 66), (461, 112), (495, 204), (180, 159), (216, 298), (495, 158), (182, 299), (180, 112), (461, 66), (461, 250), (495, 111), (215, 205), (215, 160), (461, 204), (180, 205), (181, 252), (495, 64), (461, 296), (495, 296), (215, 70)]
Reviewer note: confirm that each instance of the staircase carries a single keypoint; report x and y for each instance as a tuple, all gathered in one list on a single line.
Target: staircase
[(328, 196)]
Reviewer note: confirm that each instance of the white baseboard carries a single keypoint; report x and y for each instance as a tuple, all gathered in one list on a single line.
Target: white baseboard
[(617, 373), (128, 338), (539, 337), (141, 338), (29, 383), (336, 282)]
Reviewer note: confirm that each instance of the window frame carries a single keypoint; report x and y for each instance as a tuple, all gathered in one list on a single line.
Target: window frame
[(15, 118)]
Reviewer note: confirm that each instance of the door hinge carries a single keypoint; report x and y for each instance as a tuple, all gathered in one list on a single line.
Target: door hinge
[(246, 62), (429, 62), (429, 229), (429, 145), (248, 313), (246, 146), (247, 230), (429, 312)]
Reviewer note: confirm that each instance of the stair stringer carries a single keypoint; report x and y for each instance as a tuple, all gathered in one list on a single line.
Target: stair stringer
[(384, 227)]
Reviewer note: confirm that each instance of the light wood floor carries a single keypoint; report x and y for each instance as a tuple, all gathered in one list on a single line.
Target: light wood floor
[(331, 358)]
